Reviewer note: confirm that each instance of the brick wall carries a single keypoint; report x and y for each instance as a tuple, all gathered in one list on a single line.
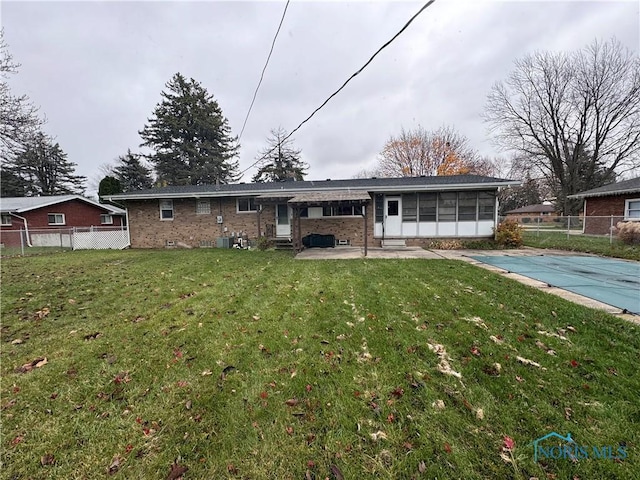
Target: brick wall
[(344, 228), (604, 207), (189, 227)]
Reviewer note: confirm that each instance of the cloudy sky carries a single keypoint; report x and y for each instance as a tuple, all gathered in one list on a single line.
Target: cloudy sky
[(96, 69)]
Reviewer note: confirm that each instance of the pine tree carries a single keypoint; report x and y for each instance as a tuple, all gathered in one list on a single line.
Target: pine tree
[(281, 161), (109, 186), (46, 170), (190, 137), (131, 173)]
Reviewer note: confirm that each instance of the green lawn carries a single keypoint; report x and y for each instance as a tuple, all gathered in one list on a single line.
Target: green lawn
[(599, 245), (246, 364)]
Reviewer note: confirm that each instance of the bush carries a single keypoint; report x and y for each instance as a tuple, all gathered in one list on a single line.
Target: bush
[(449, 244), (629, 232), (509, 234), (263, 243)]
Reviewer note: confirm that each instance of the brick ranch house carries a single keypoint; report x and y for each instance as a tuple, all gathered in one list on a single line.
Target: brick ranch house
[(542, 212), (38, 218), (606, 206), (360, 212)]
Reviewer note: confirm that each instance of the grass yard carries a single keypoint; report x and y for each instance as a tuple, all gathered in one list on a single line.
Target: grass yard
[(599, 245), (245, 364)]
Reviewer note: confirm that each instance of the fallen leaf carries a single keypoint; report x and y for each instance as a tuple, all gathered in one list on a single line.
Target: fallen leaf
[(206, 373), (438, 404), (422, 467), (47, 459), (508, 443), (336, 472), (176, 471), (526, 361), (72, 301), (27, 367), (574, 364), (17, 341), (519, 379), (292, 402), (18, 439), (480, 414), (447, 447), (289, 430), (115, 465), (567, 413), (379, 435)]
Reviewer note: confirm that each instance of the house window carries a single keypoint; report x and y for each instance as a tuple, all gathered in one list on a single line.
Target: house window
[(486, 205), (56, 218), (467, 206), (342, 211), (447, 207), (304, 212), (247, 204), (106, 219), (409, 207), (427, 207), (632, 209), (166, 209), (379, 207), (6, 220), (203, 207)]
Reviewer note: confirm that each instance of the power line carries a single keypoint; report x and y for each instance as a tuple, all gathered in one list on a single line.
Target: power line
[(406, 25), (255, 94)]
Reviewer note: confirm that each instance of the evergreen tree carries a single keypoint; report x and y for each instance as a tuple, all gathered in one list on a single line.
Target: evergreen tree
[(46, 170), (131, 173), (109, 186), (190, 137), (11, 184), (281, 161)]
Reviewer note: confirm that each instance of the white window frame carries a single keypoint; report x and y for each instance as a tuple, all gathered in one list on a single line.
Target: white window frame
[(166, 205), (106, 219), (627, 209), (203, 206), (249, 200), (6, 220), (332, 212), (55, 220)]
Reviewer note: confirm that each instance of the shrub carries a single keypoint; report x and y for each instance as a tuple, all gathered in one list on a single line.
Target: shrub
[(629, 232), (509, 234), (263, 243), (449, 244)]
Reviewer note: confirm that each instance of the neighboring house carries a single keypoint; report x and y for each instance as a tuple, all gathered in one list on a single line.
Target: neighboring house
[(542, 212), (41, 218), (606, 206), (362, 212)]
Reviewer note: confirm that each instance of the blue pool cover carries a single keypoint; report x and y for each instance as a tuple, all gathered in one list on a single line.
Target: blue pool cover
[(614, 282)]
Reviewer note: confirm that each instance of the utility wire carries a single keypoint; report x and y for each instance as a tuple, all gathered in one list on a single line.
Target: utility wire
[(406, 25), (255, 94)]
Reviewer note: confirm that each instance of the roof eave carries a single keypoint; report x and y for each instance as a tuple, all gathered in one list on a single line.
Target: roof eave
[(281, 190), (604, 194)]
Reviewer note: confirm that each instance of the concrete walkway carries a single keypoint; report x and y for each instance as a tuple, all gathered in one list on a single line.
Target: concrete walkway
[(465, 255)]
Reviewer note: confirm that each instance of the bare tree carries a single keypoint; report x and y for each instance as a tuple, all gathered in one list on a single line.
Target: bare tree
[(421, 152), (574, 116), (18, 117)]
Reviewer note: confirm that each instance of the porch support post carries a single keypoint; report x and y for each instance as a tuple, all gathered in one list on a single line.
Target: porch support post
[(296, 214), (366, 233), (259, 211)]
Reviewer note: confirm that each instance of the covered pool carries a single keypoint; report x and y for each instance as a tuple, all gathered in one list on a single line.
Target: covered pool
[(611, 281)]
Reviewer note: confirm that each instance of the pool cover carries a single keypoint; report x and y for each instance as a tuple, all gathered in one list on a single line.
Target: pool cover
[(614, 282)]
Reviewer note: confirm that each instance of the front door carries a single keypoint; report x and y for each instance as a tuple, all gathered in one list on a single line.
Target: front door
[(283, 220), (392, 216)]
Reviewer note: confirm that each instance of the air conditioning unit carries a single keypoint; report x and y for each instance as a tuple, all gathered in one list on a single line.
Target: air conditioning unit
[(223, 242)]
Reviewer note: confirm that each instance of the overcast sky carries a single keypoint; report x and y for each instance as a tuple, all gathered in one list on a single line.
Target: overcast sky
[(96, 69)]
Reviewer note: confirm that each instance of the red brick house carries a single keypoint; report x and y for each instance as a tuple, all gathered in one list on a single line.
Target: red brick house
[(538, 213), (606, 206), (360, 212), (38, 217)]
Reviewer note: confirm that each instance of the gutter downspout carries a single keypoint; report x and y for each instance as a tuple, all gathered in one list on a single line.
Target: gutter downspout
[(26, 227)]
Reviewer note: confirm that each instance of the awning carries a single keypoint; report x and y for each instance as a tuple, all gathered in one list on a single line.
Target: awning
[(357, 197)]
